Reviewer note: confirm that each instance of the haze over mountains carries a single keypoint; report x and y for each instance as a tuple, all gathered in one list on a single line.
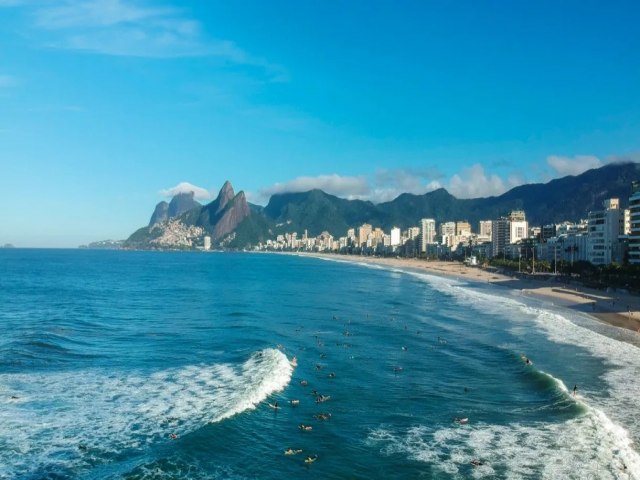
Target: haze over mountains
[(232, 221)]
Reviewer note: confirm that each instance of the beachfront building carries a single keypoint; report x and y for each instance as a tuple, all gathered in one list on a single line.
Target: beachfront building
[(634, 227), (573, 247), (482, 250), (364, 231), (547, 232), (447, 233), (569, 228), (447, 229), (499, 236), (518, 226), (569, 244), (463, 229), (604, 227), (463, 234), (485, 229), (507, 230), (394, 239), (427, 233), (535, 233)]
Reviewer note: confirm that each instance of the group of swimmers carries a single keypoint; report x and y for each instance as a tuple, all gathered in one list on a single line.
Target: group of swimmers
[(319, 398)]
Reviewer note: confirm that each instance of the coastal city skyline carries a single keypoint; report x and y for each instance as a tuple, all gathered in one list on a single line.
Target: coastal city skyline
[(381, 240), (110, 105)]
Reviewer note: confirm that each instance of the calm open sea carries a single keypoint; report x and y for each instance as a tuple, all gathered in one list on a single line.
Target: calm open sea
[(162, 365)]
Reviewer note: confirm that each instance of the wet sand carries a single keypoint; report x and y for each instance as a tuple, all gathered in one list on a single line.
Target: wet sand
[(620, 309)]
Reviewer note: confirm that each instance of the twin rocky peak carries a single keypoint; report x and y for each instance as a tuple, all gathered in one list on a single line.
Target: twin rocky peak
[(218, 218)]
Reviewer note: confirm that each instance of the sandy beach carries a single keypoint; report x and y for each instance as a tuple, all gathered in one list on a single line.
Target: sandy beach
[(616, 308)]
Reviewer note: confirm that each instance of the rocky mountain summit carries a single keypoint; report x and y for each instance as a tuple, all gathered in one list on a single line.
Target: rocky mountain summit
[(183, 222), (232, 222), (181, 203)]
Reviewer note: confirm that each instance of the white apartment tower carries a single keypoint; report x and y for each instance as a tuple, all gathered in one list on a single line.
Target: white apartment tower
[(448, 228), (604, 227), (427, 233), (395, 236), (447, 233), (507, 230)]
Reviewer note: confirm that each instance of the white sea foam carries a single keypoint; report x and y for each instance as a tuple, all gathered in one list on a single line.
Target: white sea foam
[(594, 445), (67, 419), (606, 412), (576, 449)]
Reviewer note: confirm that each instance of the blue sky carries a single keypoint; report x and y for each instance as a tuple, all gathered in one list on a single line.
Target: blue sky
[(106, 106)]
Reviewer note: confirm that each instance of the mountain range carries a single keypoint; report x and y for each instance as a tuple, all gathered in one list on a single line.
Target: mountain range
[(232, 222)]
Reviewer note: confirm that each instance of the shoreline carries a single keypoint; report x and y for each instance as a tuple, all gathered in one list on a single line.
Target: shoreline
[(613, 308)]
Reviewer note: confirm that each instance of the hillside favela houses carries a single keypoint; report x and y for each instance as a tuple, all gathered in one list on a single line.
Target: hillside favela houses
[(607, 236)]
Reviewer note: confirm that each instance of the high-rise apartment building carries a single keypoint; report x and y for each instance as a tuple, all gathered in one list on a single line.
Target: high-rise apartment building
[(507, 230), (447, 228), (463, 229), (634, 234), (485, 229), (364, 231), (395, 237), (427, 233), (604, 227), (413, 232)]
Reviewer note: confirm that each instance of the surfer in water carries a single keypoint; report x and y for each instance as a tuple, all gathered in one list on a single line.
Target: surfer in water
[(575, 390)]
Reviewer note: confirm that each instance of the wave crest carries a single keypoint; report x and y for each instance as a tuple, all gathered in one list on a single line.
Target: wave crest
[(68, 419)]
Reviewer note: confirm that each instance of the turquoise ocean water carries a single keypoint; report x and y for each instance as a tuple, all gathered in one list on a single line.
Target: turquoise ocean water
[(162, 365)]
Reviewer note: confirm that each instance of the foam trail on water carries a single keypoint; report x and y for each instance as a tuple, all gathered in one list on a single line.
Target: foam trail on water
[(575, 449), (605, 414), (70, 420), (589, 446)]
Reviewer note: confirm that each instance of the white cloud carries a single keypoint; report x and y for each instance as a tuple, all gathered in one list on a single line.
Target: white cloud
[(391, 183), (199, 193), (564, 166), (133, 28), (385, 185), (346, 187), (94, 13), (633, 157), (470, 182), (473, 182)]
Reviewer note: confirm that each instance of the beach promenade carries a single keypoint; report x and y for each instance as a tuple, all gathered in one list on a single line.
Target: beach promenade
[(615, 308)]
